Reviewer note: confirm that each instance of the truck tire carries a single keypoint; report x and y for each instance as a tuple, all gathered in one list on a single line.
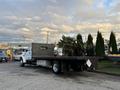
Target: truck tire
[(22, 63), (56, 67)]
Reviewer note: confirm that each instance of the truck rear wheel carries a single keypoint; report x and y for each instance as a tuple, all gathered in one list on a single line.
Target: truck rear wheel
[(56, 67)]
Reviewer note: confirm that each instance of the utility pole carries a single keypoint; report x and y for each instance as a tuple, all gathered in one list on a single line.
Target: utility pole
[(23, 38), (47, 37)]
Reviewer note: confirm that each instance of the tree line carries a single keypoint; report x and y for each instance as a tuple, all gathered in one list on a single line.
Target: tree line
[(76, 47)]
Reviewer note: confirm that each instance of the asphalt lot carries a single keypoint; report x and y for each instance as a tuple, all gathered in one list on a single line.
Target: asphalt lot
[(14, 77)]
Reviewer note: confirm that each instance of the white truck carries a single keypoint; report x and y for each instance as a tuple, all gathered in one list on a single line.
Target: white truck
[(48, 55)]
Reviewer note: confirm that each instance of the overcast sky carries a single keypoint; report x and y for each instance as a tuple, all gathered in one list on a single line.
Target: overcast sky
[(30, 19)]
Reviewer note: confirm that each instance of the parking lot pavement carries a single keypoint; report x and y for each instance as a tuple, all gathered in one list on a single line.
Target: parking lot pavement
[(14, 77)]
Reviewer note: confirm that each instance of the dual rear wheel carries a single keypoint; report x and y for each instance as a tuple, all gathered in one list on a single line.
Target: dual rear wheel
[(57, 69)]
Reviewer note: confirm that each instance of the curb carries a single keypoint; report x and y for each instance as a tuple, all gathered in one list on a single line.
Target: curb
[(96, 71)]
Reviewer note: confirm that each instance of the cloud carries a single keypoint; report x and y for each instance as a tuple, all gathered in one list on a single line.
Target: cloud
[(46, 29), (11, 17), (19, 0), (67, 28), (25, 29), (53, 1), (31, 19)]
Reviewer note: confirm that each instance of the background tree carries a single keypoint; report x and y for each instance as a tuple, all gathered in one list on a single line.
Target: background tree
[(99, 48), (79, 46), (72, 46), (113, 44), (67, 43), (90, 46)]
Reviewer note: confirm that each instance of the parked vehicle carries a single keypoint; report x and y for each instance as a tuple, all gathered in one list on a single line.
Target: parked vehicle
[(3, 56), (114, 57), (48, 55)]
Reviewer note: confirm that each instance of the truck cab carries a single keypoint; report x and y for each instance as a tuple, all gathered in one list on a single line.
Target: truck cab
[(27, 57), (19, 52)]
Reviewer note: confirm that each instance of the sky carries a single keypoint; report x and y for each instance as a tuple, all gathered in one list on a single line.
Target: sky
[(32, 20)]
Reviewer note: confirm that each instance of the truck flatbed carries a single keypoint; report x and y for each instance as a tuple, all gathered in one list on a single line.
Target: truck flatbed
[(63, 58)]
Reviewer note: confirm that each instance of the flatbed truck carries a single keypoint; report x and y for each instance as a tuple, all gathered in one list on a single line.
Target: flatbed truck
[(48, 55)]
